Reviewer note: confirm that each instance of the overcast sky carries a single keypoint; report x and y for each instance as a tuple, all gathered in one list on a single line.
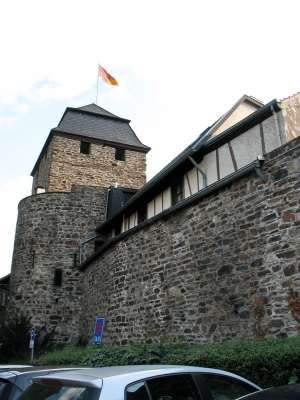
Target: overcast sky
[(180, 66)]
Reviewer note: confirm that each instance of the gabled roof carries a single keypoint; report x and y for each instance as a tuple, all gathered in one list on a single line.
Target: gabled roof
[(244, 99), (93, 122), (182, 164)]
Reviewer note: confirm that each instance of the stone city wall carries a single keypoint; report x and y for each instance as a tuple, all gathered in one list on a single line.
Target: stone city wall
[(213, 272), (49, 230)]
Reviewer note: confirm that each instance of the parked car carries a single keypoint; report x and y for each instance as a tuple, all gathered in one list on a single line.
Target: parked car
[(140, 382), (7, 367), (13, 382), (288, 392)]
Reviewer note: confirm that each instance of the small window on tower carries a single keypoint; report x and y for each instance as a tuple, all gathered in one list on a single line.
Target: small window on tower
[(85, 148), (57, 277), (120, 154)]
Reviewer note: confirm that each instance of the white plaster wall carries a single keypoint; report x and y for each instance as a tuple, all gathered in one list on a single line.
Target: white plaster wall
[(193, 179), (150, 209), (270, 135), (158, 204), (132, 220), (225, 161), (242, 111), (167, 198), (247, 147), (209, 167)]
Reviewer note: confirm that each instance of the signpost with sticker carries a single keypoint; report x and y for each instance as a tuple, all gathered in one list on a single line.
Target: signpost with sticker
[(31, 342), (99, 325)]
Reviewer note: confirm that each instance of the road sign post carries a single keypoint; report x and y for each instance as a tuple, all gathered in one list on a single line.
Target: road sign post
[(99, 325), (31, 342)]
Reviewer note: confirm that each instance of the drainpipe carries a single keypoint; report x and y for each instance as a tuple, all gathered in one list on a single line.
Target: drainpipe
[(82, 243), (200, 170), (276, 125), (107, 194)]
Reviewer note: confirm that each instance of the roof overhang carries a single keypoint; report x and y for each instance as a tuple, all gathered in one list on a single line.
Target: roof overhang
[(181, 165)]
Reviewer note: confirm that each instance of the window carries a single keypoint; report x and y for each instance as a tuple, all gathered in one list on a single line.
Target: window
[(137, 391), (177, 192), (142, 215), (85, 147), (222, 386), (57, 277), (175, 387), (118, 229), (120, 154)]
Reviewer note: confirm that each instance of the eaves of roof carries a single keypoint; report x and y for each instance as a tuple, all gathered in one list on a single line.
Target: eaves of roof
[(224, 117), (61, 132), (181, 164), (5, 280)]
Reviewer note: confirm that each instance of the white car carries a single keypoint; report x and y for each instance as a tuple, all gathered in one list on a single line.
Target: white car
[(140, 382)]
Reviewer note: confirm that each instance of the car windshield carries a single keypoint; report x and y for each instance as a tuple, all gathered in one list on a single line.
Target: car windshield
[(59, 392)]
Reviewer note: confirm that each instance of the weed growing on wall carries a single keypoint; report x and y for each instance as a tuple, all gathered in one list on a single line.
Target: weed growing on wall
[(293, 299)]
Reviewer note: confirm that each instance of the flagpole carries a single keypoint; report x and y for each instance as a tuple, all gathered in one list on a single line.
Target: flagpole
[(97, 85)]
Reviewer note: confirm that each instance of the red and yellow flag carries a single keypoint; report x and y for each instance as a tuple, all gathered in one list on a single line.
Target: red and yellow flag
[(106, 77)]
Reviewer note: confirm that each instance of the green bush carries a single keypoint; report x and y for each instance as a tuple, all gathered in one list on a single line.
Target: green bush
[(69, 355), (14, 336), (267, 363)]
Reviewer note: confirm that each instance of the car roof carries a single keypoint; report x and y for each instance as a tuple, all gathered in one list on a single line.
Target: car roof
[(135, 372), (12, 366), (6, 374)]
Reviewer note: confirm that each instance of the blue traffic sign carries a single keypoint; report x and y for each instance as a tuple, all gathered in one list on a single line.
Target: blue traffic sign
[(32, 333), (99, 325)]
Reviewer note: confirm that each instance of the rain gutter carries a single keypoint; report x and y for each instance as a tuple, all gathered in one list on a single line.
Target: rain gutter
[(81, 246), (188, 152), (254, 166)]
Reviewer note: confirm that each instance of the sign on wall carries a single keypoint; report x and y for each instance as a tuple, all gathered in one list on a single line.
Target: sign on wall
[(99, 325)]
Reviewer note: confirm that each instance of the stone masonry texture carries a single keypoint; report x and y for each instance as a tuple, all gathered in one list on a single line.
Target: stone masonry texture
[(50, 227), (197, 275), (63, 166)]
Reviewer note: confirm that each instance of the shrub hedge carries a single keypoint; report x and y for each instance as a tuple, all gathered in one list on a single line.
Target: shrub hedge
[(270, 362)]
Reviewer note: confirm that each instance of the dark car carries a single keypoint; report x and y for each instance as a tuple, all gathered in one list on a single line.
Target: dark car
[(140, 382), (14, 382), (289, 392)]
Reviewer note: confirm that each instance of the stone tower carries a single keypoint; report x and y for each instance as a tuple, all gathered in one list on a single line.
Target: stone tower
[(88, 152)]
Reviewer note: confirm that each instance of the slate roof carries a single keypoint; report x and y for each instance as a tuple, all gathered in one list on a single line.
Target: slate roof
[(117, 197), (94, 108), (94, 122), (99, 127)]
